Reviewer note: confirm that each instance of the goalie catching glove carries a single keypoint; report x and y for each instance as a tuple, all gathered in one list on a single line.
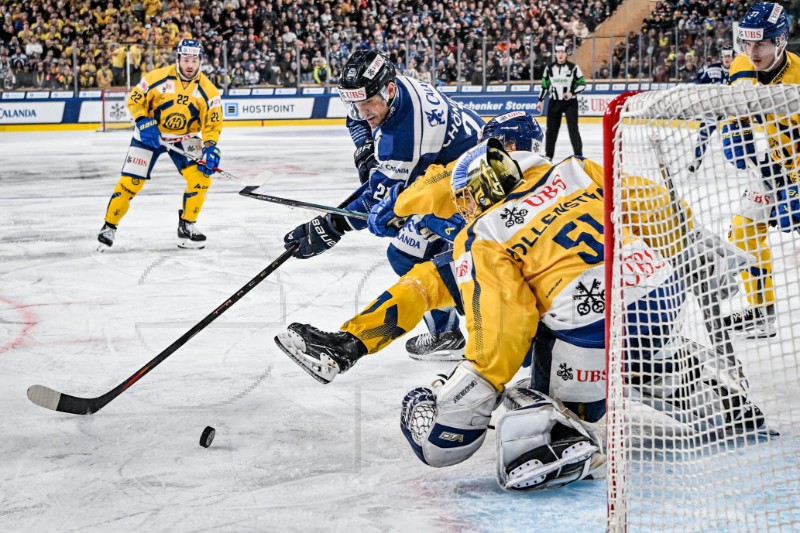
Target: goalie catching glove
[(446, 423), (316, 236)]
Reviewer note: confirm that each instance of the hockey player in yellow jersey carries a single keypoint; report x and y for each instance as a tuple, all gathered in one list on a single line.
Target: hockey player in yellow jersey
[(175, 105), (529, 269), (772, 196)]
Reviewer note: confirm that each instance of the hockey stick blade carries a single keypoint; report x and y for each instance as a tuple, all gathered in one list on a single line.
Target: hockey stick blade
[(249, 192), (65, 403)]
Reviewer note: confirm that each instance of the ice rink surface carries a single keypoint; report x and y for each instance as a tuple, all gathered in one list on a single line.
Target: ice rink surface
[(290, 454)]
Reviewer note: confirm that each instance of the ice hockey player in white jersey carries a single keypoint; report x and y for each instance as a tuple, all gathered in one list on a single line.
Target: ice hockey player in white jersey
[(412, 125)]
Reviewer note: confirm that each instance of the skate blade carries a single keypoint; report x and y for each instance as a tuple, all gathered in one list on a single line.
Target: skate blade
[(288, 341), (442, 356), (188, 244), (756, 334), (102, 247)]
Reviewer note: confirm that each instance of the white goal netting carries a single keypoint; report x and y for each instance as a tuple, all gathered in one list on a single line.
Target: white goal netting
[(704, 370)]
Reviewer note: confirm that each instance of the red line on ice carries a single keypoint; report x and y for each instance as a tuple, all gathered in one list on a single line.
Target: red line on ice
[(30, 322)]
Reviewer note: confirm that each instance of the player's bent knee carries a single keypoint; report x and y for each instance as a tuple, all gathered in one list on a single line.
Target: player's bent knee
[(196, 181), (541, 444), (446, 424), (131, 185)]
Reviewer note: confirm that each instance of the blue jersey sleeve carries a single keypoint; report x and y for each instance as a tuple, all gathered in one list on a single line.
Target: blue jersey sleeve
[(359, 130)]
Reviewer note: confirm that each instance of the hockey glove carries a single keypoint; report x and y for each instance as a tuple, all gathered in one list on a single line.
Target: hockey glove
[(149, 135), (364, 158), (314, 237), (737, 143), (383, 221), (787, 212), (211, 157), (447, 229)]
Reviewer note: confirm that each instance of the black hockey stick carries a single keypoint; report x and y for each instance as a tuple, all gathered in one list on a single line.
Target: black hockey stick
[(64, 403), (248, 192), (709, 300)]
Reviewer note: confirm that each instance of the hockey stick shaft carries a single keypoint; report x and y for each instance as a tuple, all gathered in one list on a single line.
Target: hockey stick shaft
[(249, 192), (709, 301), (180, 151), (64, 403)]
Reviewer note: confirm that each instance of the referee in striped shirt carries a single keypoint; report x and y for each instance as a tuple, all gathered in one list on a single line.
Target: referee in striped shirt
[(562, 80)]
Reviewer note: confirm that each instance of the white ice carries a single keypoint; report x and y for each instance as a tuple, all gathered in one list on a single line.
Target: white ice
[(290, 454)]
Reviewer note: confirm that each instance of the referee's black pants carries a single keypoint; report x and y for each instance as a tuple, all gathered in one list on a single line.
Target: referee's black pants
[(555, 109)]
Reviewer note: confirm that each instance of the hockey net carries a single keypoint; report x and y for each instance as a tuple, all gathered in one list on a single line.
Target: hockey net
[(115, 115), (687, 447)]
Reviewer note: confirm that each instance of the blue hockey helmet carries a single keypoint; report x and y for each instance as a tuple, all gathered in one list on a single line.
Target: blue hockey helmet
[(188, 47), (765, 20), (482, 177), (517, 126)]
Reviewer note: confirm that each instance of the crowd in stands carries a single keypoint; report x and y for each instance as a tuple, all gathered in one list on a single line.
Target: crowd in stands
[(61, 44)]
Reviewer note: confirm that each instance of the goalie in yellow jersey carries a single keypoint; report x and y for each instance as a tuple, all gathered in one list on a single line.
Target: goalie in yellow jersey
[(179, 106), (529, 268), (772, 196)]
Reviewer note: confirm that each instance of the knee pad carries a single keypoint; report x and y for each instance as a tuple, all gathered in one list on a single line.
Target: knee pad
[(541, 444), (130, 186)]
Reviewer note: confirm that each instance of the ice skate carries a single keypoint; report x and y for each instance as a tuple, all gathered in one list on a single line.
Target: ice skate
[(188, 235), (753, 322), (322, 354), (449, 346), (106, 237)]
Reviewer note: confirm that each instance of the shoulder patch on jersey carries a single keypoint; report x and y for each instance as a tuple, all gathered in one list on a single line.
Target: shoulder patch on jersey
[(463, 267)]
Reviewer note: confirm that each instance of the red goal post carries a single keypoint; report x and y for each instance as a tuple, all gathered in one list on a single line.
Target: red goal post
[(695, 468)]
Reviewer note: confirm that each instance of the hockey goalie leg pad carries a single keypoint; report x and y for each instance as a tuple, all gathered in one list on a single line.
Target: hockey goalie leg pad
[(447, 423), (541, 444), (194, 197), (124, 192)]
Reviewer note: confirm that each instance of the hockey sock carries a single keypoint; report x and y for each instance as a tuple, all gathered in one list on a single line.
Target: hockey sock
[(124, 192), (197, 185), (752, 238), (399, 309)]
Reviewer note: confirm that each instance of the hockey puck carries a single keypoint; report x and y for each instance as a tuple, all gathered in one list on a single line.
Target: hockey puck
[(207, 437)]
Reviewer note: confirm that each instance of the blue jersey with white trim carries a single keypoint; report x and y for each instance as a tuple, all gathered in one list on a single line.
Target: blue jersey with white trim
[(423, 127), (713, 73)]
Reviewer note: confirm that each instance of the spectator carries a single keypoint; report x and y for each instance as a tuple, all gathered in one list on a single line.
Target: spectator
[(322, 72), (251, 76), (306, 70)]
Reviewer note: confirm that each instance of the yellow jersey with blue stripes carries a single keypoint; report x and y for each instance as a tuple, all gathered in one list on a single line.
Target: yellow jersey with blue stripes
[(179, 108), (783, 132), (538, 257)]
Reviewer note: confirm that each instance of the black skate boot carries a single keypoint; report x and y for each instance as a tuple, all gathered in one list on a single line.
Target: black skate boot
[(448, 346), (188, 234), (753, 322), (323, 355), (106, 237)]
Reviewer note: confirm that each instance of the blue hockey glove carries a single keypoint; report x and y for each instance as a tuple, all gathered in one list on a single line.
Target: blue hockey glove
[(737, 143), (148, 132), (788, 209), (211, 157), (314, 237), (447, 229), (382, 218)]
